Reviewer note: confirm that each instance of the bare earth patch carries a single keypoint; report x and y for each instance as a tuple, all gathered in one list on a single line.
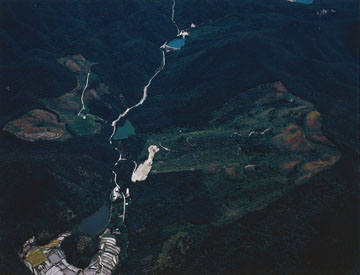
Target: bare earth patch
[(141, 172), (37, 125), (313, 120), (292, 138), (43, 125), (289, 165), (259, 144)]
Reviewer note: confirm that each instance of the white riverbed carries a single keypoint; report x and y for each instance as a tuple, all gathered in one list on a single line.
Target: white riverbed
[(142, 171)]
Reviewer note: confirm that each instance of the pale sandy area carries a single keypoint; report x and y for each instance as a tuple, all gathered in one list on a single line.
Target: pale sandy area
[(141, 172)]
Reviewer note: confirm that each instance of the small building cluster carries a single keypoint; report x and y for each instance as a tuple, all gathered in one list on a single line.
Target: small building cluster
[(50, 259), (107, 259), (117, 194)]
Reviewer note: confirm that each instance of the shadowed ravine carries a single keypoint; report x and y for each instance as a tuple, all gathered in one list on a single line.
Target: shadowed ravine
[(231, 123), (108, 245)]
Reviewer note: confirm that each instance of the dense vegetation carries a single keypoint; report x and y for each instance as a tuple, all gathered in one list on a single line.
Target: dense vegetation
[(80, 248), (48, 187)]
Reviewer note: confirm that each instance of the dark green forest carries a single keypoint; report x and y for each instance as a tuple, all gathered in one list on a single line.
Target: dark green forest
[(175, 223)]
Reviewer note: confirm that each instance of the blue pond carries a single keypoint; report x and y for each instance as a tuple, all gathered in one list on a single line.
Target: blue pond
[(177, 43), (95, 223), (124, 131), (304, 1)]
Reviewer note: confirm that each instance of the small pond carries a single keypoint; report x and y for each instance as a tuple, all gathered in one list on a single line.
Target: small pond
[(124, 131), (307, 2), (96, 222), (177, 43)]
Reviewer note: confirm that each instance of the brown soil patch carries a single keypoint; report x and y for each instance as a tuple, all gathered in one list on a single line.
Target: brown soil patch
[(303, 179), (268, 97), (68, 102), (312, 120), (229, 212), (213, 167), (72, 66), (314, 167), (230, 171), (76, 63), (36, 125), (319, 138), (79, 57), (261, 207), (279, 86), (103, 88), (289, 165), (292, 138), (91, 94)]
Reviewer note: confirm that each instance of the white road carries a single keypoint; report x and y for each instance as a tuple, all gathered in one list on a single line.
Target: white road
[(142, 100), (173, 16), (82, 97)]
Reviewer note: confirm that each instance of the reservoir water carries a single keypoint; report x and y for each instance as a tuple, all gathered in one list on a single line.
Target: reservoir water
[(177, 43), (308, 2), (95, 223), (124, 131)]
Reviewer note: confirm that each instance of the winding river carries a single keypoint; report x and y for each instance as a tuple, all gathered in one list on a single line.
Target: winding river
[(98, 221), (140, 172)]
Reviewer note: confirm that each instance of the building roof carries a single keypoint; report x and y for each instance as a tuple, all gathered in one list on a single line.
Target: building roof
[(54, 258), (67, 271), (54, 270), (51, 244), (35, 257)]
